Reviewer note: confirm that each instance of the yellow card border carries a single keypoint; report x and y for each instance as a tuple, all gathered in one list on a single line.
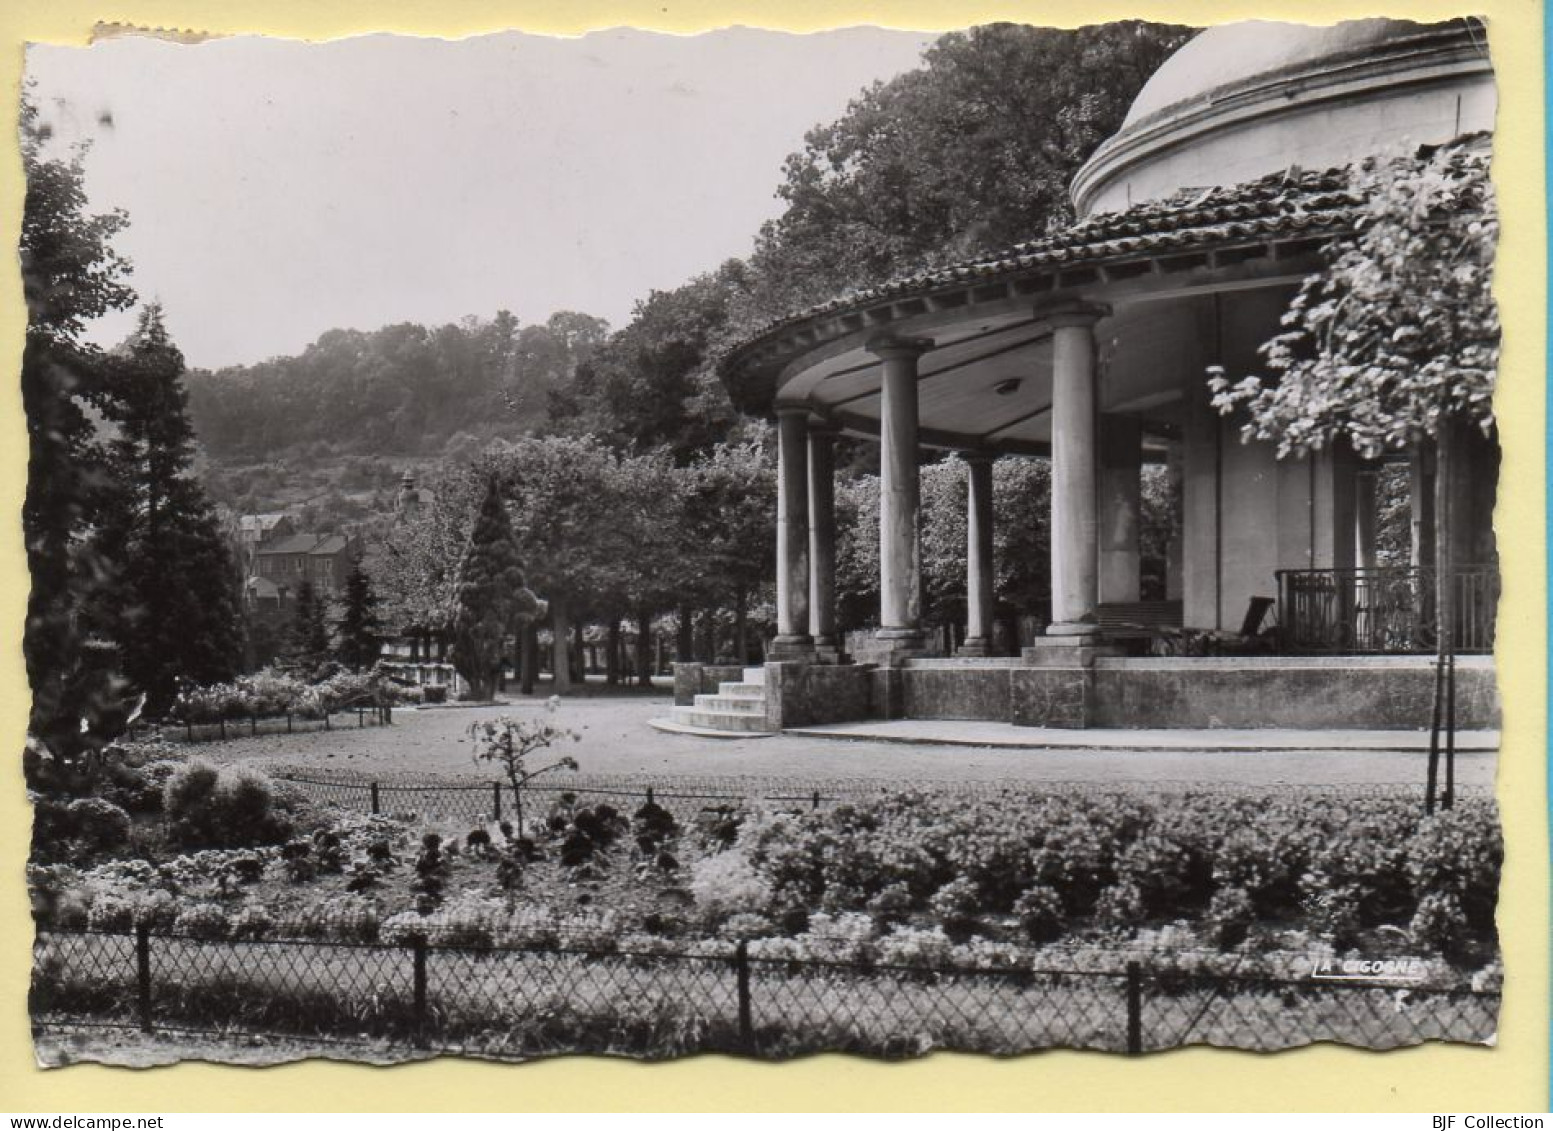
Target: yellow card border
[(1510, 1077)]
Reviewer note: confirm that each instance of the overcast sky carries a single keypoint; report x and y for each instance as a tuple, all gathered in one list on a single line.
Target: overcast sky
[(277, 189)]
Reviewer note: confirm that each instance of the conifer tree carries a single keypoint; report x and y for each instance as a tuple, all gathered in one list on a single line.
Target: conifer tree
[(307, 644), (491, 599), (174, 612), (358, 628)]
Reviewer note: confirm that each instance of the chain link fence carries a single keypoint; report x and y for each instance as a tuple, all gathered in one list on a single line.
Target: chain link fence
[(688, 798), (252, 726), (556, 994)]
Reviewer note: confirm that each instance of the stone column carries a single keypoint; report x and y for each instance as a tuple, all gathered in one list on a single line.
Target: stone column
[(1074, 528), (980, 594), (1120, 508), (1421, 489), (1364, 517), (1175, 477), (900, 492), (822, 537), (793, 639)]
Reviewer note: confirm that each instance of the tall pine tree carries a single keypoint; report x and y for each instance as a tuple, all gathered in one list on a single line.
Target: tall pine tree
[(307, 643), (491, 596), (358, 628), (174, 610)]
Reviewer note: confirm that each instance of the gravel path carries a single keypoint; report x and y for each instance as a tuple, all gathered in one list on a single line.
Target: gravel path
[(617, 740)]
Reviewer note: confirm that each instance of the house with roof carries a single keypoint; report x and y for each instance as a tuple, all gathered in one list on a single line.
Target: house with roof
[(1197, 223), (284, 563)]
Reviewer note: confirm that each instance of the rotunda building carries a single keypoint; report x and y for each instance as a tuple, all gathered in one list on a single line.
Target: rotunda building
[(1198, 222)]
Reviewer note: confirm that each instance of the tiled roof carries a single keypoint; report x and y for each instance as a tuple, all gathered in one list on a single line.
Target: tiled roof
[(1284, 205), (290, 544), (330, 544), (260, 522)]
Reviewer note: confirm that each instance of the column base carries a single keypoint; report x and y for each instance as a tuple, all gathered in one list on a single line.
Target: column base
[(1079, 650), (791, 648), (1072, 628), (975, 646)]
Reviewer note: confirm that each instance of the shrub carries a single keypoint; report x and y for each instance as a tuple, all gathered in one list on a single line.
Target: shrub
[(746, 925), (654, 827), (1230, 915), (892, 904), (111, 913), (956, 906), (100, 825), (189, 788), (726, 884), (234, 807), (1121, 905), (1440, 923), (252, 922), (201, 921), (1458, 852), (1039, 909)]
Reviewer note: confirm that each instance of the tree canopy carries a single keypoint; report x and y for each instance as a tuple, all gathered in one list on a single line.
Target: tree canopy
[(1400, 333), (71, 275), (972, 151)]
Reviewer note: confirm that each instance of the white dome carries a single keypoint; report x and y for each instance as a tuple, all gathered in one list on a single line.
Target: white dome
[(1244, 100)]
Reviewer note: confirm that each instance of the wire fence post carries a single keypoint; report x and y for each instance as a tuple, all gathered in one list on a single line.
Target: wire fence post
[(361, 718), (222, 722), (376, 803), (143, 973), (496, 799), (288, 722), (253, 724), (815, 801), (326, 720), (1134, 1008), (418, 950), (741, 966)]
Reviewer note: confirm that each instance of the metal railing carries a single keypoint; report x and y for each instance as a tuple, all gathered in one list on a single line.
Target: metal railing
[(1383, 610), (555, 994)]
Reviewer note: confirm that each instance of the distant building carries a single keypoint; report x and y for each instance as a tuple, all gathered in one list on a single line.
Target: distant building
[(254, 529), (288, 561)]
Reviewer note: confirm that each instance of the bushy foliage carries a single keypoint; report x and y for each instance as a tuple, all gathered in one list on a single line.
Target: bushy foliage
[(100, 825), (234, 806), (1400, 332), (272, 693), (1335, 864)]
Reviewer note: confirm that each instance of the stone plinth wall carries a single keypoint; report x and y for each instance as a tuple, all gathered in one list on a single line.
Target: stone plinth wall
[(1371, 693), (692, 679), (1380, 693), (804, 694)]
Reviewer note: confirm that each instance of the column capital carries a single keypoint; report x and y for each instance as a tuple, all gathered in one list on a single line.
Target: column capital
[(783, 410), (1072, 313), (888, 346), (978, 456)]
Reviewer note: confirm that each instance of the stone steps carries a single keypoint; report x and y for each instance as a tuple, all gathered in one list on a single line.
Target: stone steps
[(733, 704), (737, 708), (741, 722), (740, 690)]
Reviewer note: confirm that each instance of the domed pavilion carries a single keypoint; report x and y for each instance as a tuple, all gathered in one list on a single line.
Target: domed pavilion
[(1198, 221)]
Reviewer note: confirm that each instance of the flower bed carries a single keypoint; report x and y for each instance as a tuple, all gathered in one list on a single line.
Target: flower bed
[(910, 878)]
